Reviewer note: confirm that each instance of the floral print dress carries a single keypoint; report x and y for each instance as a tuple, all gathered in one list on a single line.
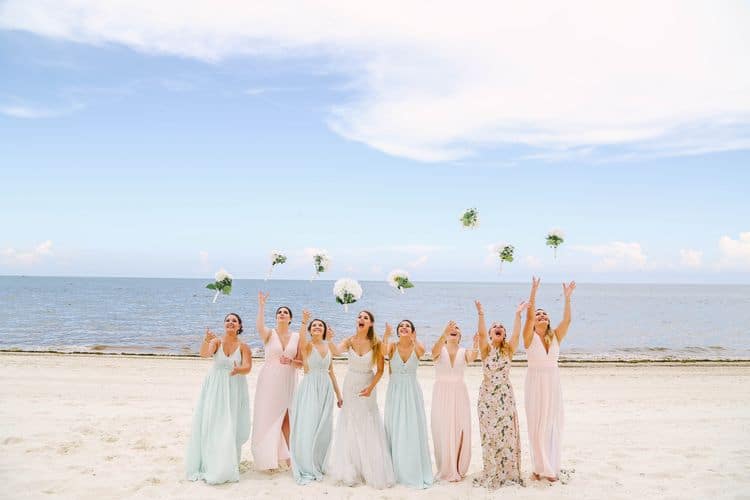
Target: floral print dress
[(498, 424)]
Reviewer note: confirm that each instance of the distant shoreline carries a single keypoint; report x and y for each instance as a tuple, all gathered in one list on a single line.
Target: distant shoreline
[(423, 361)]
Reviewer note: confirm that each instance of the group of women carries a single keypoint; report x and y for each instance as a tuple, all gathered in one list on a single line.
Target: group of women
[(293, 422)]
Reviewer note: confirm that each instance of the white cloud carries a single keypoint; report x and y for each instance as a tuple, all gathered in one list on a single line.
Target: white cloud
[(615, 256), (735, 254), (532, 262), (656, 77), (691, 258), (13, 257), (418, 262)]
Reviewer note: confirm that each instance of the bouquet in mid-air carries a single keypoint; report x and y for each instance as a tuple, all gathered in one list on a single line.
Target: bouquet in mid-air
[(321, 261), (222, 284), (347, 291), (276, 259), (505, 252), (399, 279), (555, 238), (470, 218)]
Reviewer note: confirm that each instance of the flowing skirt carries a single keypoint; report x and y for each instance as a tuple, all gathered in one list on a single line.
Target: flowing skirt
[(451, 429), (311, 427), (544, 415), (360, 453), (221, 424)]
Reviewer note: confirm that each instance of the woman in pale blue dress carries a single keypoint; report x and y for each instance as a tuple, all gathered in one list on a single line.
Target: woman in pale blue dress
[(312, 410), (405, 421), (221, 423)]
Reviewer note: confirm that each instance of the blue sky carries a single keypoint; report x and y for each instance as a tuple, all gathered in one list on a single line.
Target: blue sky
[(157, 143)]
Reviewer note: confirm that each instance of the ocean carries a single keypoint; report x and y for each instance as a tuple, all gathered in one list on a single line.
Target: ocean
[(169, 316)]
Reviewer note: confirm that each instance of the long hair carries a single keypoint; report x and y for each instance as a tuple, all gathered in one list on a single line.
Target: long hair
[(374, 340), (549, 333)]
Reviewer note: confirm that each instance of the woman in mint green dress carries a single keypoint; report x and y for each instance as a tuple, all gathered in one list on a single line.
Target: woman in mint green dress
[(312, 410), (405, 421), (221, 423)]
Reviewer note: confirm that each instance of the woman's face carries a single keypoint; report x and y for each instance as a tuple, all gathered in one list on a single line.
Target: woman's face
[(454, 335), (404, 328), (541, 318), (231, 324), (317, 329), (497, 333), (283, 316), (364, 321)]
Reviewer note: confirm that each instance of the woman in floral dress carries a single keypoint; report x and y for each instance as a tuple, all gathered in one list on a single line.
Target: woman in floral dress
[(498, 419)]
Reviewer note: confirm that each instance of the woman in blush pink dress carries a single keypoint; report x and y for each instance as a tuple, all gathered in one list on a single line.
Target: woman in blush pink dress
[(451, 410), (543, 395), (274, 390)]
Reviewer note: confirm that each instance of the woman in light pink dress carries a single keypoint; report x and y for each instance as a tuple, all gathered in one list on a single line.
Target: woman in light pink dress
[(274, 390), (451, 410), (542, 392)]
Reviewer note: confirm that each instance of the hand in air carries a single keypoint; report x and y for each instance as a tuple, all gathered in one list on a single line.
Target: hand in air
[(478, 305), (209, 336), (262, 299), (306, 315), (535, 282), (522, 307), (568, 289)]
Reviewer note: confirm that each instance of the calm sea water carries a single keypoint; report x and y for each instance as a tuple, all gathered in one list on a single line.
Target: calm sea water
[(169, 315)]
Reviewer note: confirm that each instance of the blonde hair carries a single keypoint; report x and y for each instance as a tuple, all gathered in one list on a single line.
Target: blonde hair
[(505, 349)]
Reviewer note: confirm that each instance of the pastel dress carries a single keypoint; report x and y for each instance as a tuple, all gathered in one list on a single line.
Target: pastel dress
[(498, 424), (406, 424), (360, 451), (544, 407), (312, 420), (274, 395), (451, 417), (221, 423)]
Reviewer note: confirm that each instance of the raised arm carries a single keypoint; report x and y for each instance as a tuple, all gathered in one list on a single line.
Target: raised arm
[(528, 327), (209, 345), (247, 361), (260, 323), (473, 353), (484, 346), (517, 326), (337, 349), (303, 347), (562, 328), (438, 347), (385, 345)]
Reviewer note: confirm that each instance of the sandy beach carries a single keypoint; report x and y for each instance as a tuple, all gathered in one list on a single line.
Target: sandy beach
[(93, 426)]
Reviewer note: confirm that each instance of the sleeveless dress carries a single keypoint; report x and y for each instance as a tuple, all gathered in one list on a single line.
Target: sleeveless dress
[(274, 395), (544, 408), (221, 423), (406, 424), (312, 420), (498, 424), (360, 453), (451, 417)]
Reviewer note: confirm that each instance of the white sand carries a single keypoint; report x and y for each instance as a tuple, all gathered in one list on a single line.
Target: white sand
[(75, 426)]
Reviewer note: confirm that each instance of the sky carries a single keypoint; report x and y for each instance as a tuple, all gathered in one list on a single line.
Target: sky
[(170, 140)]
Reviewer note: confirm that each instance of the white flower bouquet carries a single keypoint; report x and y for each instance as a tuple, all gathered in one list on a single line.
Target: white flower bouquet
[(555, 238), (222, 284), (399, 279), (276, 258), (321, 261), (470, 218), (347, 291)]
